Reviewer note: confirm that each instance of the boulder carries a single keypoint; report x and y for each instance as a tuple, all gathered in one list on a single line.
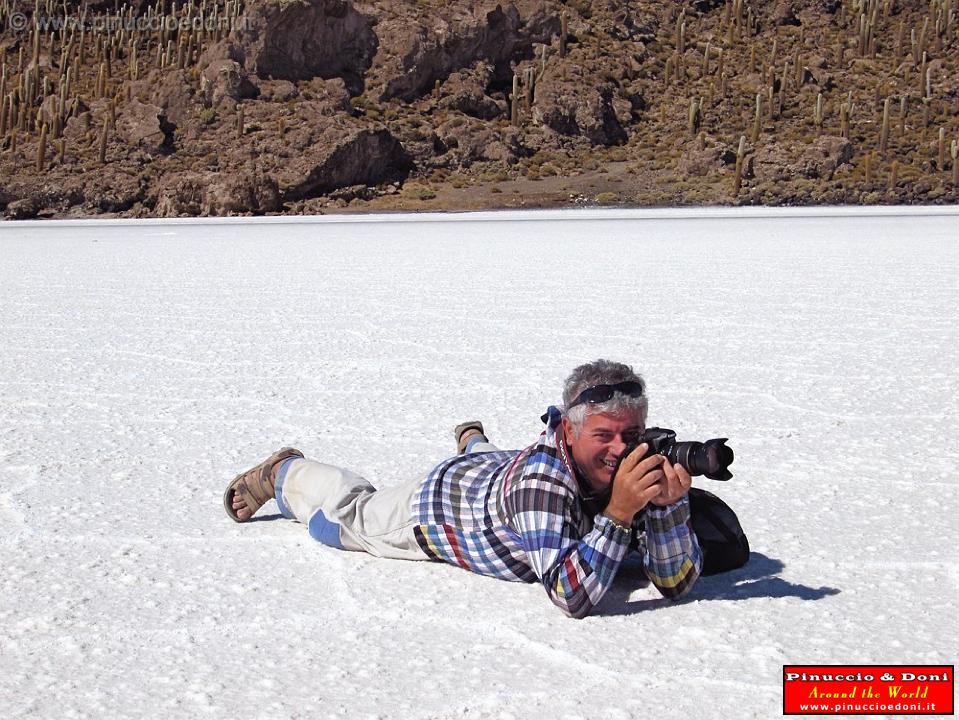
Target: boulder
[(710, 159), (173, 91), (816, 160), (118, 190), (22, 209), (465, 90), (303, 39), (144, 126), (225, 79), (277, 90), (342, 156), (239, 193), (183, 194), (316, 149), (415, 52), (471, 142), (571, 100)]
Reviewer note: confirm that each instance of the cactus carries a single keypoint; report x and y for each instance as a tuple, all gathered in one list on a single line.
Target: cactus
[(922, 76), (757, 120), (893, 176), (942, 148), (42, 149), (695, 117), (514, 102), (740, 161), (102, 152), (818, 114), (903, 109), (884, 132), (845, 116), (563, 33), (954, 152)]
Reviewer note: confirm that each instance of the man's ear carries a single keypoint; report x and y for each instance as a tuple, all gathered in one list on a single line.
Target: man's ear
[(568, 430)]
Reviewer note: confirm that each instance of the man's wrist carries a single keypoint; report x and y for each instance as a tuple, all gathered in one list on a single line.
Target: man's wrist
[(618, 520)]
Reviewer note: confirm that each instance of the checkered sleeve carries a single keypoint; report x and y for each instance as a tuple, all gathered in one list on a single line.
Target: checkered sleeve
[(673, 557), (576, 571)]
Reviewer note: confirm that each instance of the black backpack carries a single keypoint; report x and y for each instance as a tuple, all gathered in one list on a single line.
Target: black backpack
[(720, 535)]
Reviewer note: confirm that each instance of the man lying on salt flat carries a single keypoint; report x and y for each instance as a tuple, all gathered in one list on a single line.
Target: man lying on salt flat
[(550, 513)]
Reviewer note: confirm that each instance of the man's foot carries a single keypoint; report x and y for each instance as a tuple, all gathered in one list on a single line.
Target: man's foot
[(242, 512), (466, 432), (250, 490)]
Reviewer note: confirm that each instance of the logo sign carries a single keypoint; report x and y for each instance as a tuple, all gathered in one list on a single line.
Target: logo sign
[(868, 689)]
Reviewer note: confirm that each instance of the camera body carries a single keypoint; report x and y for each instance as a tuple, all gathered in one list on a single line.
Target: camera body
[(711, 458)]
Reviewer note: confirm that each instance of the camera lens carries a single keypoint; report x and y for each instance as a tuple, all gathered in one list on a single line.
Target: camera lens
[(711, 458)]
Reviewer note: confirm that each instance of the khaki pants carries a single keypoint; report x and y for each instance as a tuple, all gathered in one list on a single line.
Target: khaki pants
[(343, 510)]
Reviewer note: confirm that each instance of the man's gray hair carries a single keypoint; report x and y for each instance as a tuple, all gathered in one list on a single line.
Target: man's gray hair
[(600, 372)]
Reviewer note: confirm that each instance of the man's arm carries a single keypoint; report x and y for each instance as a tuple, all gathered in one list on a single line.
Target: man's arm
[(673, 557), (576, 572)]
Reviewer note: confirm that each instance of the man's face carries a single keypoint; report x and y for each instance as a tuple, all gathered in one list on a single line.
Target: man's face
[(601, 442)]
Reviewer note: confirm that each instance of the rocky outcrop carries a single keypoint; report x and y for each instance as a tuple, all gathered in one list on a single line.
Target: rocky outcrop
[(240, 193), (245, 192), (118, 191), (417, 51), (342, 155), (303, 39), (471, 142), (173, 91), (181, 195), (465, 90), (706, 158), (818, 159), (571, 100), (144, 126), (225, 80)]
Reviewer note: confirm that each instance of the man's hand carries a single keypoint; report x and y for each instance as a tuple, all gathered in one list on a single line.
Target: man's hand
[(642, 481), (677, 484)]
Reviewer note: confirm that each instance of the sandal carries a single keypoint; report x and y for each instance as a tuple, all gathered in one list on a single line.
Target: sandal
[(257, 485), (464, 432)]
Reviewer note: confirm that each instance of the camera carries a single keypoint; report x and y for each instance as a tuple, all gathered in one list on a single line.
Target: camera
[(711, 458)]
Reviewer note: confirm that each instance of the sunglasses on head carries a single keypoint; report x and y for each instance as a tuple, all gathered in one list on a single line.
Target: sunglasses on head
[(601, 393)]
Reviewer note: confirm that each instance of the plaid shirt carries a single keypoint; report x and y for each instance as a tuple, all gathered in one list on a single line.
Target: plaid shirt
[(518, 515)]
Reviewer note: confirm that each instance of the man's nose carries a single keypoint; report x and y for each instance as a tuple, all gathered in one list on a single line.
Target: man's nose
[(617, 446)]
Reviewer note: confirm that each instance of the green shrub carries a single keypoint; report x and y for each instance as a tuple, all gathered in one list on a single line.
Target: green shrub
[(418, 192)]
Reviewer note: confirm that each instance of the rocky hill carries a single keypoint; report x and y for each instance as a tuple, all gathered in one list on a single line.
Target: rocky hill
[(307, 106)]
